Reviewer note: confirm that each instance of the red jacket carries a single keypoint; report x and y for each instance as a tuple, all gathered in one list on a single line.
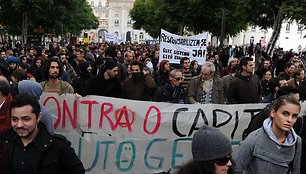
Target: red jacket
[(5, 124)]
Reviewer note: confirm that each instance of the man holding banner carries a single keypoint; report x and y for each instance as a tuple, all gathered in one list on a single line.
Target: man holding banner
[(206, 88), (173, 91), (140, 86)]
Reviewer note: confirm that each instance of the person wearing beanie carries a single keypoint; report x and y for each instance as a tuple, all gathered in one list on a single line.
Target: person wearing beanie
[(274, 148), (211, 151), (232, 62), (13, 62), (106, 82)]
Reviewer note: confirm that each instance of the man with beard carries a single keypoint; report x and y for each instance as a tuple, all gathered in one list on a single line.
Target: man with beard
[(245, 86), (30, 148), (140, 86), (106, 82), (207, 87), (52, 71), (68, 69), (288, 70)]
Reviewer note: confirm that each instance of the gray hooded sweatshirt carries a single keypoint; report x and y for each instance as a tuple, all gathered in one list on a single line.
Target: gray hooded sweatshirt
[(261, 153), (34, 89)]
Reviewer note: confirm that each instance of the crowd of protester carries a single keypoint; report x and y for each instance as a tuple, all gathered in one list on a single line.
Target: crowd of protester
[(232, 75)]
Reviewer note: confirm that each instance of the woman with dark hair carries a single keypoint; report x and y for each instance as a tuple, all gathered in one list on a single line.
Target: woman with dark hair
[(80, 83), (36, 69), (274, 148), (267, 76), (232, 62), (211, 151), (194, 68), (161, 77)]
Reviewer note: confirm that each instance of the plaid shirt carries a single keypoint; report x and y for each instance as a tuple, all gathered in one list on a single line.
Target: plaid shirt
[(206, 97)]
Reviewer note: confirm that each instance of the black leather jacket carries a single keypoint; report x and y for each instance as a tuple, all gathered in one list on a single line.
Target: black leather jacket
[(169, 94), (54, 156)]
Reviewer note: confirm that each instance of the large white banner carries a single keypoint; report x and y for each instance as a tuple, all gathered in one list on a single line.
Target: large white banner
[(113, 38), (174, 47), (125, 136)]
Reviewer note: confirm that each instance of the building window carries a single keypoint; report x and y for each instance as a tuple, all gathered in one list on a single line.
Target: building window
[(252, 39), (116, 22), (129, 22), (135, 37), (288, 27), (100, 5), (92, 3), (141, 36), (106, 4), (253, 28), (300, 28)]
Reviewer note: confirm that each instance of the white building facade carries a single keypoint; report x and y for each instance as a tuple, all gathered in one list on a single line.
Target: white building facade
[(114, 18), (291, 36)]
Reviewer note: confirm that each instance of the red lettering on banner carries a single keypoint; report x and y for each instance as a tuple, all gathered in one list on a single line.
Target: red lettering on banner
[(89, 103), (158, 120), (104, 113), (119, 116), (58, 120), (73, 119)]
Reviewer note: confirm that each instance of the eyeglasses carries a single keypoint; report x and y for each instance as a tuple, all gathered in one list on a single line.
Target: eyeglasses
[(223, 161), (178, 78), (205, 74)]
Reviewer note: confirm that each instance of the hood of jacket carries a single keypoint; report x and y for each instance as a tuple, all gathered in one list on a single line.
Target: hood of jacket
[(291, 137), (247, 78), (30, 87)]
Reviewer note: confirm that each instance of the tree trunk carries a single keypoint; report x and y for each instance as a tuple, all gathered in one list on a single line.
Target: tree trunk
[(276, 31), (25, 25)]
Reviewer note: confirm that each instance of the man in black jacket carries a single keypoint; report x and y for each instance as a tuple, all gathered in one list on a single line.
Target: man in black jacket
[(106, 82), (245, 86), (172, 92), (30, 149)]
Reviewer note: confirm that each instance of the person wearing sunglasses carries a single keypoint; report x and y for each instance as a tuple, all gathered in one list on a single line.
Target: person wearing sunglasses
[(172, 91), (211, 152), (207, 87), (274, 148)]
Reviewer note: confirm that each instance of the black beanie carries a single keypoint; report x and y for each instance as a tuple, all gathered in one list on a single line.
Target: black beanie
[(109, 64)]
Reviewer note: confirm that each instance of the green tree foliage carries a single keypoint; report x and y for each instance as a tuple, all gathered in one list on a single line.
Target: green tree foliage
[(51, 15), (196, 15), (152, 15)]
